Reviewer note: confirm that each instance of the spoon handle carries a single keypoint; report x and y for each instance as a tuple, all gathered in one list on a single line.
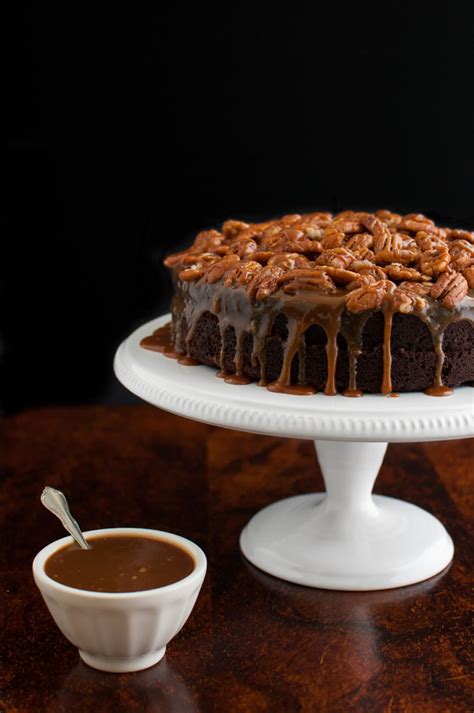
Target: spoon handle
[(55, 501)]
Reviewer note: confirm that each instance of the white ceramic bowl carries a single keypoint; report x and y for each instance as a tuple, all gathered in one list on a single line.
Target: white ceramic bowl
[(125, 631)]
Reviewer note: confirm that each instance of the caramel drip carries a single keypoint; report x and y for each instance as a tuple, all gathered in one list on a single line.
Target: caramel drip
[(293, 389), (192, 328), (289, 351), (233, 308), (239, 352), (352, 393), (222, 328), (386, 387), (261, 330), (160, 340), (353, 337), (301, 360), (332, 352), (186, 360)]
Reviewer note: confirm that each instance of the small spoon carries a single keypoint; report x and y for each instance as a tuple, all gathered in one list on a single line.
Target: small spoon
[(56, 502)]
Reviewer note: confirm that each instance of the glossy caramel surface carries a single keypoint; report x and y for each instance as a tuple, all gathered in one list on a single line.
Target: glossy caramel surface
[(118, 563)]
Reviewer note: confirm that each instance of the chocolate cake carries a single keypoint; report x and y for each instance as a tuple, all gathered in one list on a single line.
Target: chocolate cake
[(355, 302)]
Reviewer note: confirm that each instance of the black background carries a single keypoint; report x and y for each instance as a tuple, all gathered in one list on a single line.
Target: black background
[(129, 128)]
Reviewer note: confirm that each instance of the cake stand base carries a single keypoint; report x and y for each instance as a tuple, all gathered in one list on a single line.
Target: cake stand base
[(345, 538)]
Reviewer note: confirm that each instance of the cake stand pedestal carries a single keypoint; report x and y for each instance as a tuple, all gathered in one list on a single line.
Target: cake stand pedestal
[(345, 538)]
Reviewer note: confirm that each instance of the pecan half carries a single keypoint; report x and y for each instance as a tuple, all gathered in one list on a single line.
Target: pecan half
[(296, 280), (242, 246), (365, 267), (417, 287), (457, 234), (196, 265), (262, 256), (340, 275), (396, 271), (383, 238), (468, 274), (360, 281), (231, 228), (289, 261), (242, 274), (348, 224), (217, 271), (450, 288), (435, 260), (332, 238), (369, 296), (415, 222), (288, 220), (462, 254), (427, 241), (265, 282), (313, 224), (206, 240), (288, 240), (389, 218), (400, 255), (406, 300), (336, 257), (360, 241)]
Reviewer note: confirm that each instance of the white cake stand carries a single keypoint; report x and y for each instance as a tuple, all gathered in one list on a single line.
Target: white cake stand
[(345, 538)]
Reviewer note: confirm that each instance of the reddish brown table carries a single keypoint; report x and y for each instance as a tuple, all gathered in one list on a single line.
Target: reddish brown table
[(253, 643)]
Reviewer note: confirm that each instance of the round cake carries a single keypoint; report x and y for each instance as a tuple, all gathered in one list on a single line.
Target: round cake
[(351, 303)]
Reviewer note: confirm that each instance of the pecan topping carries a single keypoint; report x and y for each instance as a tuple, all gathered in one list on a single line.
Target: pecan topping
[(391, 219), (313, 224), (383, 238), (363, 253), (288, 240), (360, 281), (456, 233), (206, 240), (218, 270), (396, 271), (338, 274), (416, 287), (406, 300), (231, 228), (360, 241), (462, 254), (435, 260), (415, 222), (296, 280), (365, 267), (288, 261), (262, 256), (265, 282), (401, 255), (242, 248), (468, 274), (369, 296), (336, 257), (451, 288), (332, 238), (197, 266), (242, 274)]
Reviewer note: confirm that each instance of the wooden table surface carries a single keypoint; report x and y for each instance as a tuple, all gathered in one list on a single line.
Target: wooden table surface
[(253, 643)]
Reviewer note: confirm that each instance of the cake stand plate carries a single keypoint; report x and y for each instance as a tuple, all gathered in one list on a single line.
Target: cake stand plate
[(345, 538)]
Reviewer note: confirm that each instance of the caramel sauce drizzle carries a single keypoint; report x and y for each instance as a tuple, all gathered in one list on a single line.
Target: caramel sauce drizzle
[(386, 387), (302, 311)]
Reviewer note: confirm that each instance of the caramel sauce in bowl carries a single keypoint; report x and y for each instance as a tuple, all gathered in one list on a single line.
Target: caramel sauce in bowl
[(122, 631)]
